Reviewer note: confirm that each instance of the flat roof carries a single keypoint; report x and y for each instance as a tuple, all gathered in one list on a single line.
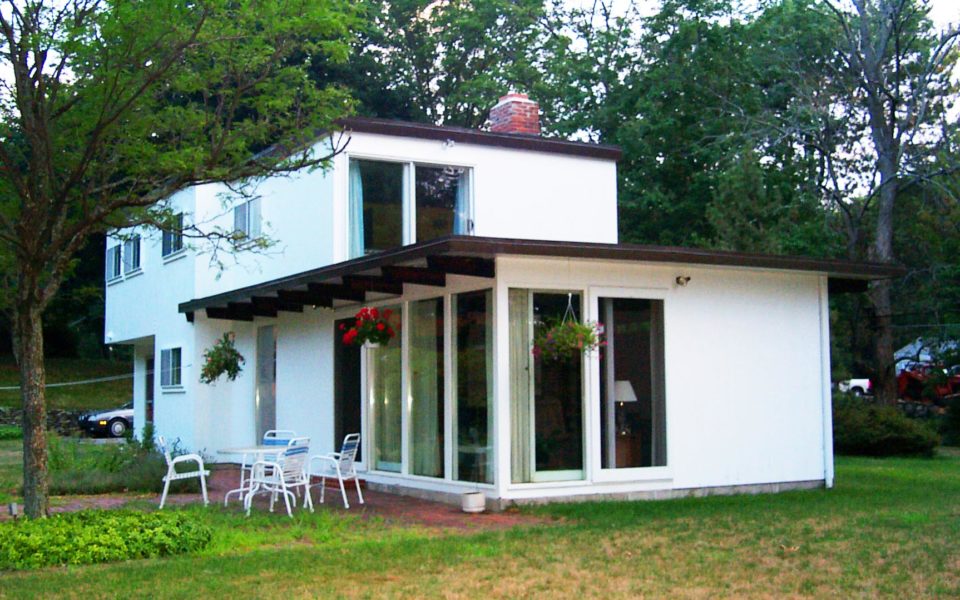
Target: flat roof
[(516, 141), (383, 275)]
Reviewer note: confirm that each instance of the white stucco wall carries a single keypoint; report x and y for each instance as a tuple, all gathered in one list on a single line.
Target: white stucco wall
[(743, 374)]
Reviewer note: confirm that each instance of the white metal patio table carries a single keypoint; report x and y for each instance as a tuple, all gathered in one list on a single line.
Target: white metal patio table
[(260, 452)]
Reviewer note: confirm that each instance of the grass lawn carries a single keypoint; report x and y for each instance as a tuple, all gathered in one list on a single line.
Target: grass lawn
[(890, 528), (107, 394)]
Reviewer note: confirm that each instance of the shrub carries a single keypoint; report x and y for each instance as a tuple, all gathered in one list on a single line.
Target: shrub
[(950, 424), (97, 536), (866, 429), (10, 432), (83, 468)]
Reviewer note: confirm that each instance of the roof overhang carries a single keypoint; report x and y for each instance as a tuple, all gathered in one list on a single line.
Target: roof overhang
[(516, 141), (383, 275)]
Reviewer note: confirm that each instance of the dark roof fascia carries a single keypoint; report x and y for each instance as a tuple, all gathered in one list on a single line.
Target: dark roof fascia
[(837, 270), (833, 268), (462, 135)]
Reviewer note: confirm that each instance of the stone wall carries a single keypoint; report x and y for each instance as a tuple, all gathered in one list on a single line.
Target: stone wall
[(64, 422)]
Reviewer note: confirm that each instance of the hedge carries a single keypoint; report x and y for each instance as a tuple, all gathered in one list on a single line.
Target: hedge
[(865, 429)]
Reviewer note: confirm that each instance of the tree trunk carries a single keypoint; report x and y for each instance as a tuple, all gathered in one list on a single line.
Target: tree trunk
[(28, 345), (885, 385)]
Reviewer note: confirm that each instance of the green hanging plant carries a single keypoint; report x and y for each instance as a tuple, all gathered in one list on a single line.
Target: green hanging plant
[(559, 339), (221, 358)]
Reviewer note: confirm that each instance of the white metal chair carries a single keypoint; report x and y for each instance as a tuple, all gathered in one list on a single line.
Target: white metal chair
[(281, 476), (173, 475), (342, 463), (273, 437)]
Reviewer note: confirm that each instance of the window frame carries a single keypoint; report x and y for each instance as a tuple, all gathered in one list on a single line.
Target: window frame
[(114, 262), (172, 241), (132, 248), (171, 370), (252, 228), (595, 448), (409, 202), (367, 417)]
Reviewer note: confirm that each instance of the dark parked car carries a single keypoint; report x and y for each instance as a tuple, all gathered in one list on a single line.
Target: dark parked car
[(115, 422)]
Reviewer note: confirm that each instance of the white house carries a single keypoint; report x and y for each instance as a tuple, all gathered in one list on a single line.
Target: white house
[(716, 376)]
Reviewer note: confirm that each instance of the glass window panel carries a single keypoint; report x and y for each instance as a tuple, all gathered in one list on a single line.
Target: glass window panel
[(632, 411), (266, 392), (347, 394), (170, 367), (173, 240), (558, 394), (386, 390), (438, 191), (382, 198), (472, 353), (426, 387)]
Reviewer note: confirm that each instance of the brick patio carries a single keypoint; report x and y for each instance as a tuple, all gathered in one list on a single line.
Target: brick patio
[(393, 508)]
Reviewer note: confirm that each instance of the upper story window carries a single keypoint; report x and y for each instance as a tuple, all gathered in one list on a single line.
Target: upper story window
[(173, 240), (131, 254), (393, 203), (246, 219), (113, 262)]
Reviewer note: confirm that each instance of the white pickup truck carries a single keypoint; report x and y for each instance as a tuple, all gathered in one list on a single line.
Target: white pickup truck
[(857, 387)]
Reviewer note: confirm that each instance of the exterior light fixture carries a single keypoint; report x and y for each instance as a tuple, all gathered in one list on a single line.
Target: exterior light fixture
[(683, 280)]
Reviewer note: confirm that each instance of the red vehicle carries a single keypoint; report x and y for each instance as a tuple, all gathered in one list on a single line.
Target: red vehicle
[(914, 385)]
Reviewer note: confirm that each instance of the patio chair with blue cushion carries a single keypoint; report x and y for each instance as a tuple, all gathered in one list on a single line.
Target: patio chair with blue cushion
[(342, 464), (273, 437), (173, 475), (282, 476)]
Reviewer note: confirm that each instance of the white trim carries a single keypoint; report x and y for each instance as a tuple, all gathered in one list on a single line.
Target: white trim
[(174, 256), (825, 387), (610, 475)]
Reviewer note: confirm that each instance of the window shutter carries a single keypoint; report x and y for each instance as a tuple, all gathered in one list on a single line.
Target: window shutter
[(167, 243)]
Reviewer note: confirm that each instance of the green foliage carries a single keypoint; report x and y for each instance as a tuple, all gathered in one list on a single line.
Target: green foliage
[(861, 428), (10, 432), (98, 536), (83, 468), (439, 62), (950, 424), (222, 358), (559, 339)]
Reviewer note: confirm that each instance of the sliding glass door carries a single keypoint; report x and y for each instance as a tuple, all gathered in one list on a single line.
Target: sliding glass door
[(386, 392), (426, 387), (473, 372), (632, 400), (546, 393)]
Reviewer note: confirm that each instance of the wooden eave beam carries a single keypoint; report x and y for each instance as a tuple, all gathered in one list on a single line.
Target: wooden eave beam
[(463, 265), (304, 298), (276, 304), (416, 275), (220, 312), (337, 291), (248, 309), (371, 283)]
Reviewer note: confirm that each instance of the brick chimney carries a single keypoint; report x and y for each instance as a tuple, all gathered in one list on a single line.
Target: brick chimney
[(515, 113)]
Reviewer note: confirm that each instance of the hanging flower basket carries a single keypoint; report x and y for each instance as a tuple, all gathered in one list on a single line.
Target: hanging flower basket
[(559, 339), (221, 359), (372, 327)]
